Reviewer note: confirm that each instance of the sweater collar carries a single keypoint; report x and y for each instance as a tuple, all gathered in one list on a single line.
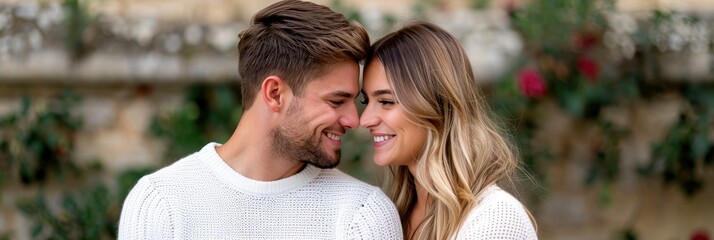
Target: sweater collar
[(215, 163)]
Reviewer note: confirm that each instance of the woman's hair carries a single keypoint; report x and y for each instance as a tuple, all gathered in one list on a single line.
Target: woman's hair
[(464, 152), (297, 41)]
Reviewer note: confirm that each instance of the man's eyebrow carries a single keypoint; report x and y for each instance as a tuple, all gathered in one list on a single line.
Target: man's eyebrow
[(343, 94)]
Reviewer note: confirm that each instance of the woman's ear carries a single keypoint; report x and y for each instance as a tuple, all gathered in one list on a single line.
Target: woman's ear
[(274, 93)]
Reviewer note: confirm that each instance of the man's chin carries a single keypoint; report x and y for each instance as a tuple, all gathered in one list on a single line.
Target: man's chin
[(324, 166), (325, 163)]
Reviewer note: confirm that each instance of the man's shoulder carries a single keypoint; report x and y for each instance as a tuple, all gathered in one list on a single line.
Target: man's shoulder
[(183, 169), (173, 181), (371, 214), (339, 183), (335, 177)]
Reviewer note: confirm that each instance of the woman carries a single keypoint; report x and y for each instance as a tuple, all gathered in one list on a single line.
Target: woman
[(431, 125)]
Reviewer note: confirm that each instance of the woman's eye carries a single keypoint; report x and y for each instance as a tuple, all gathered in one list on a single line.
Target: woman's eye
[(386, 102), (337, 103)]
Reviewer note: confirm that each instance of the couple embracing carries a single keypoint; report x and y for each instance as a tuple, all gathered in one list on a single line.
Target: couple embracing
[(275, 178)]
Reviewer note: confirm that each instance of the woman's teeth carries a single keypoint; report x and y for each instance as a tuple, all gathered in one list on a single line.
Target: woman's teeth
[(382, 138)]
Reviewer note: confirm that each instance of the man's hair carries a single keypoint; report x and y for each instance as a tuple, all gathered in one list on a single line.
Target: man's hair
[(296, 41)]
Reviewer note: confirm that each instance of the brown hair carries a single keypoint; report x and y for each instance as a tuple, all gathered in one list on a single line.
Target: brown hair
[(296, 41), (465, 150)]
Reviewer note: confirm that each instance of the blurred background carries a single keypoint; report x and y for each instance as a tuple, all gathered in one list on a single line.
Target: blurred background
[(611, 104)]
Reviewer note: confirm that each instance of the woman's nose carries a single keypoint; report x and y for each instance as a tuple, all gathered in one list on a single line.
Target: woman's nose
[(368, 119)]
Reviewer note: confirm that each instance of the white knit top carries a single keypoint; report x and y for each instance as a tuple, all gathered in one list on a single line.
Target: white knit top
[(201, 197), (498, 216)]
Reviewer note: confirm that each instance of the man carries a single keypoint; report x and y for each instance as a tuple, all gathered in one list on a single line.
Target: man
[(273, 179)]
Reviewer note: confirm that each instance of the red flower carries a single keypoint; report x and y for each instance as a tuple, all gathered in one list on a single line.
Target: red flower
[(586, 41), (531, 83), (700, 235), (588, 68)]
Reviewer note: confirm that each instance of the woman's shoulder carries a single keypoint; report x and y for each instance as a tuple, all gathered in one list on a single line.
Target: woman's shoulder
[(495, 195), (494, 202), (498, 215)]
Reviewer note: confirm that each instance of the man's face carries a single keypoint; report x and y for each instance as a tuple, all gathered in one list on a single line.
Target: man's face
[(314, 122)]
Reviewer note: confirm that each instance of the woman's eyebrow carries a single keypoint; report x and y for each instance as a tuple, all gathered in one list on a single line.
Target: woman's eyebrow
[(382, 92)]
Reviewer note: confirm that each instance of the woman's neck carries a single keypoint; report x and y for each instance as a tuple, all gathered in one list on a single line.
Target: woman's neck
[(418, 211)]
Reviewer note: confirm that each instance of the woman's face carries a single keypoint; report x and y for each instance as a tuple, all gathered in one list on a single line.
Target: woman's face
[(397, 141)]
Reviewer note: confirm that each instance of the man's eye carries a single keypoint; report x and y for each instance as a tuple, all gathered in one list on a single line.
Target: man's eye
[(337, 103)]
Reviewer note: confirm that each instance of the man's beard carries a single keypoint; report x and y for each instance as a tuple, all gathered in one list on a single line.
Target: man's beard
[(289, 141)]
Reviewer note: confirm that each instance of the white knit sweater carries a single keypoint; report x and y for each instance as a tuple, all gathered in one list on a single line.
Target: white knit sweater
[(498, 216), (201, 197)]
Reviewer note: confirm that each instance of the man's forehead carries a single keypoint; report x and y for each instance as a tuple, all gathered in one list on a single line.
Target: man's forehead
[(342, 77), (335, 87)]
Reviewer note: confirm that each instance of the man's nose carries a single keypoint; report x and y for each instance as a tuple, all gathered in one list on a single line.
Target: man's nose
[(349, 119)]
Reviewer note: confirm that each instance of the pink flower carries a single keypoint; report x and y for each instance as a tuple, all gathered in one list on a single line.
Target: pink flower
[(700, 235), (531, 83), (588, 68)]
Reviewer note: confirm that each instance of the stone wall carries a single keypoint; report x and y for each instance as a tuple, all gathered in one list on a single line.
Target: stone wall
[(139, 56), (648, 206)]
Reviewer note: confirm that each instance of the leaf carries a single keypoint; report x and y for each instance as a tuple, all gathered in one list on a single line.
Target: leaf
[(479, 4), (700, 145), (36, 230), (27, 173), (691, 186), (629, 234), (69, 204), (25, 106), (605, 194), (573, 103)]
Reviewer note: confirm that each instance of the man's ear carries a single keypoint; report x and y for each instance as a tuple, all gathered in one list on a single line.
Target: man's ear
[(274, 93)]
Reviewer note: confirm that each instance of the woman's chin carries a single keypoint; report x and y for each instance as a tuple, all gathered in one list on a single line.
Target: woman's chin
[(381, 162)]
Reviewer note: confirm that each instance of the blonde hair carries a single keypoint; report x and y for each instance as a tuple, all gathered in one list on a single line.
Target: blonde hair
[(464, 152)]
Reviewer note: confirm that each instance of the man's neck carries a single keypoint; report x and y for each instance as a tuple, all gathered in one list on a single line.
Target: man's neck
[(248, 152)]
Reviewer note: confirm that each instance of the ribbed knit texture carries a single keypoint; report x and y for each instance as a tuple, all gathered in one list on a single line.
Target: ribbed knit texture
[(498, 216), (201, 197)]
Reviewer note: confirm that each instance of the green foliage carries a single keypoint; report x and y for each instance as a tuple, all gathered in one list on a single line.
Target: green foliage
[(89, 210), (83, 214), (687, 146), (78, 22), (350, 13), (35, 143), (547, 25), (35, 153), (209, 114), (389, 21), (566, 51), (479, 4), (627, 234)]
